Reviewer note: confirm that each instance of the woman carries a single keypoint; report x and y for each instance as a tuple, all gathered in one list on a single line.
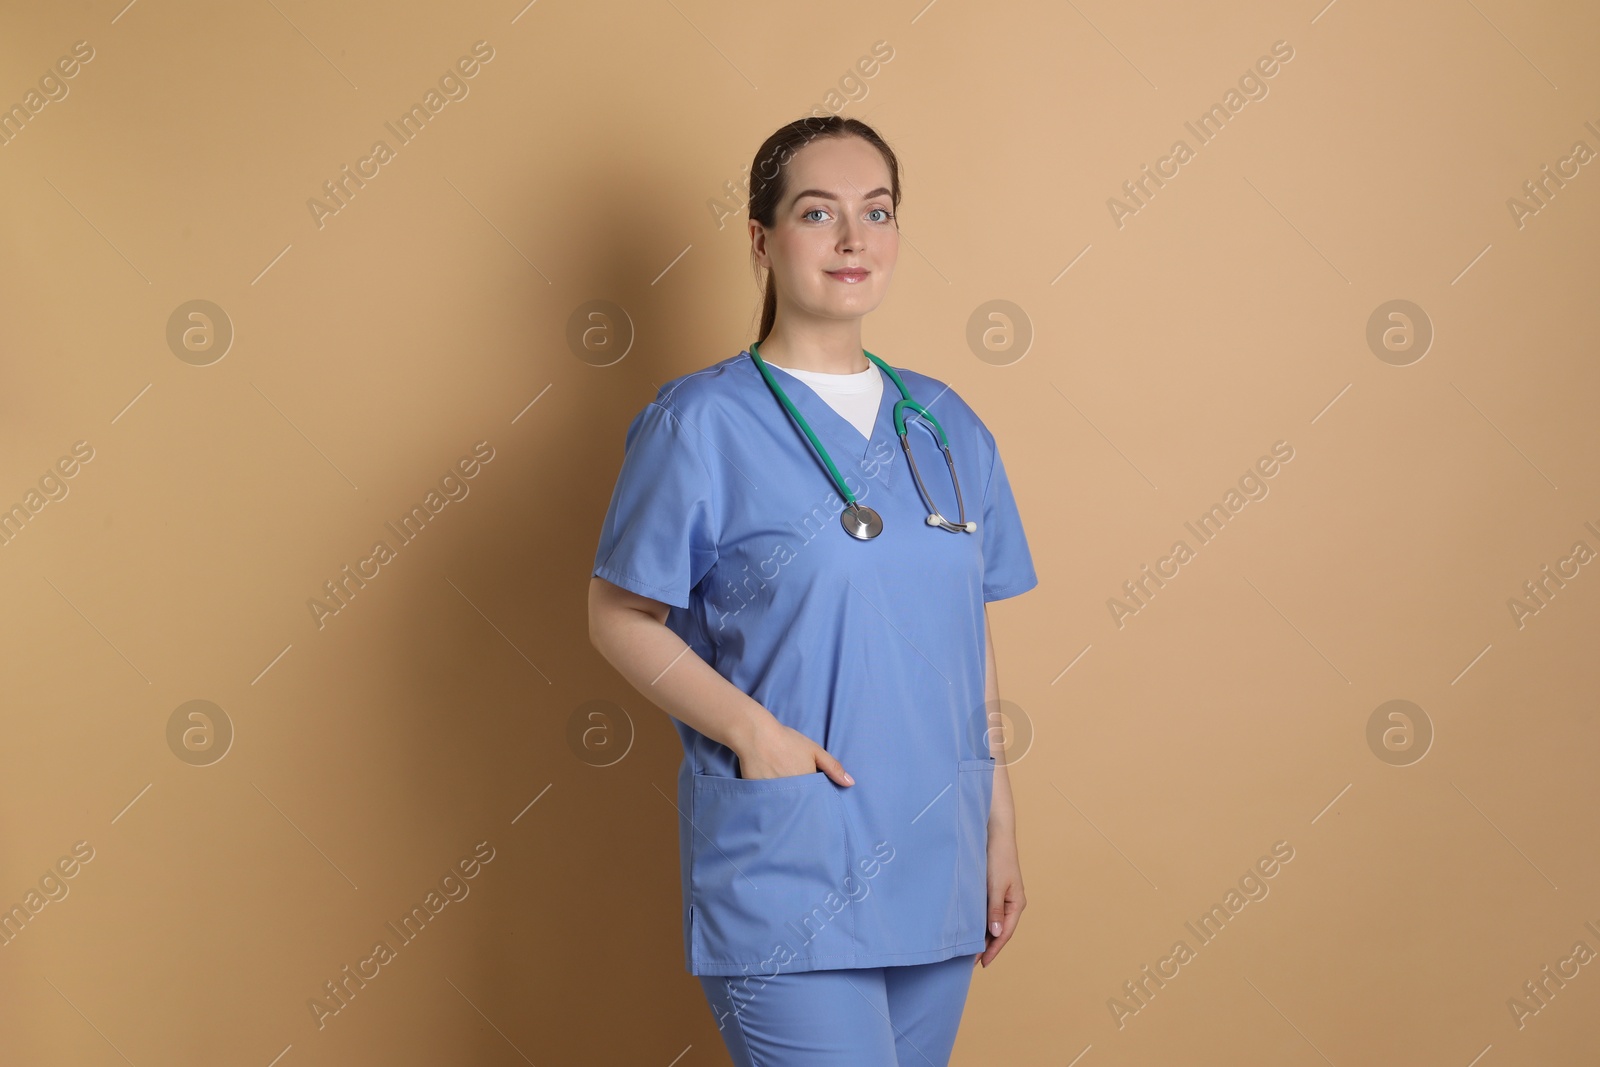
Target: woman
[(810, 609)]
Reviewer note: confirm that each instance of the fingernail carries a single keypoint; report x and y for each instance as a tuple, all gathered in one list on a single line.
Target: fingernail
[(994, 928), (849, 779)]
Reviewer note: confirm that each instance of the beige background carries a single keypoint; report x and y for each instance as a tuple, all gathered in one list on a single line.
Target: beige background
[(438, 709)]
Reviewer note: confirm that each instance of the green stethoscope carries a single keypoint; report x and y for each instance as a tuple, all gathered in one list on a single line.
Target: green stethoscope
[(860, 521)]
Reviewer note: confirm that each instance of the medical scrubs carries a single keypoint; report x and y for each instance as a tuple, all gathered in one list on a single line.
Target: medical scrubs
[(857, 1017), (873, 649)]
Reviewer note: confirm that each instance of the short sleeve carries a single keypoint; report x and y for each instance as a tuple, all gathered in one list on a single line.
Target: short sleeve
[(659, 535), (1007, 563)]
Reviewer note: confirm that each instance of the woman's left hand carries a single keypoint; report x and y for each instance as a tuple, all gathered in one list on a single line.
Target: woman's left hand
[(1006, 898)]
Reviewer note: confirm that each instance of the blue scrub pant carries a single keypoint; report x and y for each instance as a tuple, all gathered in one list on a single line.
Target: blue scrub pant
[(866, 1017)]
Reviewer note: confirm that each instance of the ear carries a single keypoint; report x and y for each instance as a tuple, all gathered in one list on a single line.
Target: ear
[(758, 242)]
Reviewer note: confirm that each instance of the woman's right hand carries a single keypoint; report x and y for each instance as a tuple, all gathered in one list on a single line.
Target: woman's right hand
[(781, 751)]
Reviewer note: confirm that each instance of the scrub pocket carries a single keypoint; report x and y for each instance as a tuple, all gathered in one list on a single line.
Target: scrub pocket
[(768, 859), (974, 791)]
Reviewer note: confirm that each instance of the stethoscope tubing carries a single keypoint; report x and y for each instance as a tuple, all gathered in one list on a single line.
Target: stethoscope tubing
[(905, 401)]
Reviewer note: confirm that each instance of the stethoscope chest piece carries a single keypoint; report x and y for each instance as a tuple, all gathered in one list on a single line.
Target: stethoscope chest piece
[(861, 522)]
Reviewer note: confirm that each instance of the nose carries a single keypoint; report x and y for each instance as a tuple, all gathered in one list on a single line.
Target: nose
[(850, 244), (850, 239)]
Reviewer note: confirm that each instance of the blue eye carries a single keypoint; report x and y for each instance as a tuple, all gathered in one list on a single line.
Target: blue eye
[(885, 212)]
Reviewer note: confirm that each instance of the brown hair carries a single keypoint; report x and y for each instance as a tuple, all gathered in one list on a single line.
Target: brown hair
[(769, 179)]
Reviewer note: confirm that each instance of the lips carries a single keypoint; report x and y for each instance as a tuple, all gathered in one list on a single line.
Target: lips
[(850, 274)]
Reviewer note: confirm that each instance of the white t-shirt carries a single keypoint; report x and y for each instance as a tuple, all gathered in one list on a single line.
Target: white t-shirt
[(854, 396)]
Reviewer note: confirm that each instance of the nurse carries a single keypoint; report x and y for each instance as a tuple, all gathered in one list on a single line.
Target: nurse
[(846, 832)]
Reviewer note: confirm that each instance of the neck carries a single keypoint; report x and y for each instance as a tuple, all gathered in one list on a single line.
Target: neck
[(836, 351)]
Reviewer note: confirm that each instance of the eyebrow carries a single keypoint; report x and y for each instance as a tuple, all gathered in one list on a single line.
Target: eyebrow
[(802, 194)]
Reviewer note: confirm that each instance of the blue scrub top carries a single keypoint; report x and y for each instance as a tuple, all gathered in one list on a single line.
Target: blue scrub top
[(873, 649)]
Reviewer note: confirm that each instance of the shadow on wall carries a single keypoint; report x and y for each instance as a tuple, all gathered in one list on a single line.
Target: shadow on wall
[(588, 875)]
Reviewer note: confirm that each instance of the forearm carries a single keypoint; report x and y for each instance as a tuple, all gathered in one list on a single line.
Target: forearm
[(630, 634), (1002, 811)]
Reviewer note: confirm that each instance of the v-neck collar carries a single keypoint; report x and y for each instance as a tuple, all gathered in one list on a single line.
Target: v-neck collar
[(846, 445)]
